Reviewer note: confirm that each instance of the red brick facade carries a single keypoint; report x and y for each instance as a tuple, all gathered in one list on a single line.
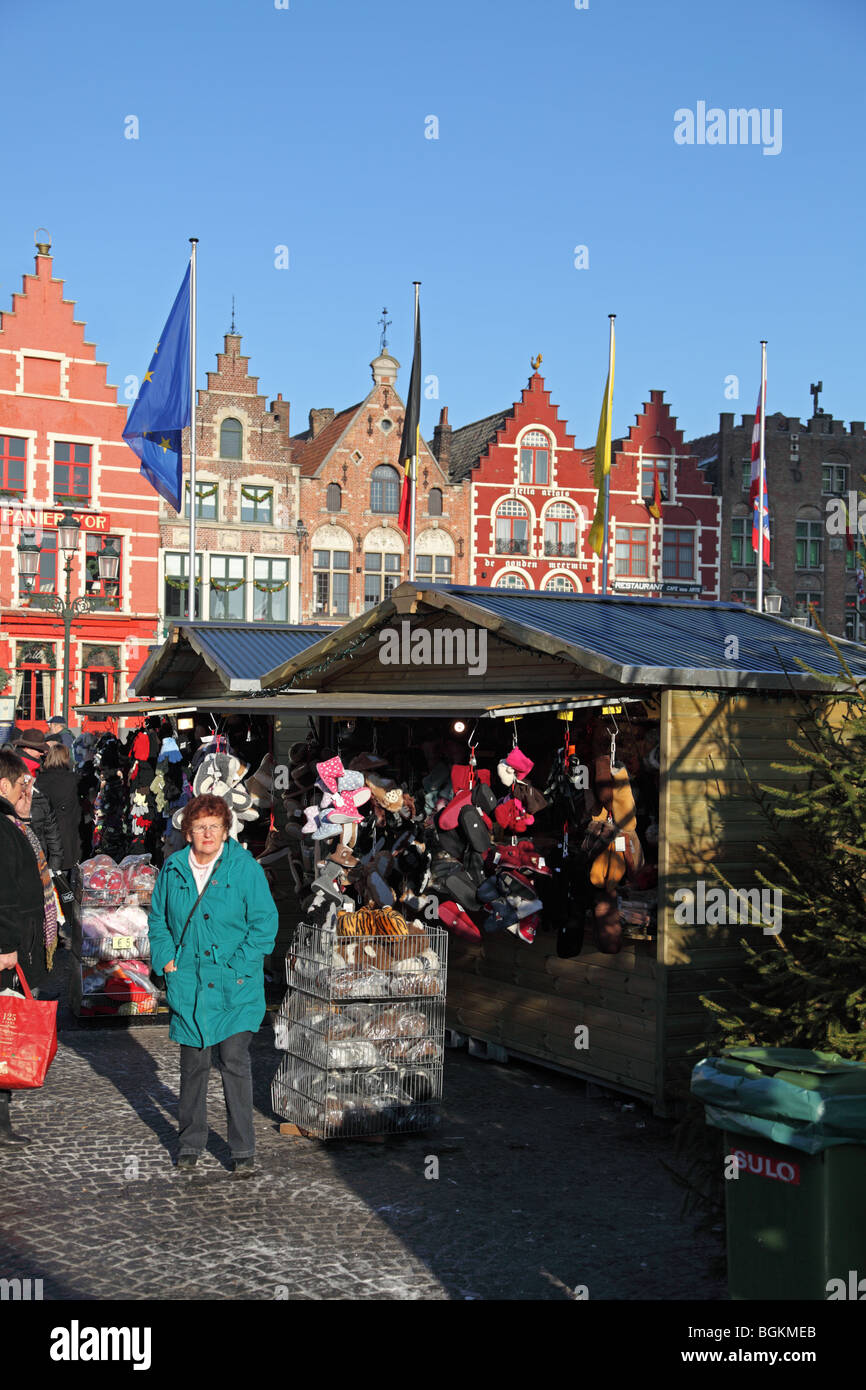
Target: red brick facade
[(534, 498), (350, 478), (61, 438)]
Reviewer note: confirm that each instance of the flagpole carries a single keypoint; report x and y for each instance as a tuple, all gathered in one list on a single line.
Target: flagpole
[(606, 540), (190, 607), (760, 593), (414, 470)]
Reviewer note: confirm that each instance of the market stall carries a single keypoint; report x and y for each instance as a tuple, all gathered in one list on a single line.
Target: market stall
[(639, 724)]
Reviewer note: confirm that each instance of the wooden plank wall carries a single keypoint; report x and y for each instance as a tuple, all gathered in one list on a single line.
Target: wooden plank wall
[(710, 746), (529, 1001)]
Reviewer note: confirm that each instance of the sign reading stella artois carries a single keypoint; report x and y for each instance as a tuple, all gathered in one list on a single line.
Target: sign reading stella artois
[(40, 518)]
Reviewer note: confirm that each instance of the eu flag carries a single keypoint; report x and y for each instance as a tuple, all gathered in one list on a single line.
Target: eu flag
[(154, 428)]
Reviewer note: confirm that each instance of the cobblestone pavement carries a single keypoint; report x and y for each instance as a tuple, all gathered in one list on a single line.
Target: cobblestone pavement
[(540, 1189)]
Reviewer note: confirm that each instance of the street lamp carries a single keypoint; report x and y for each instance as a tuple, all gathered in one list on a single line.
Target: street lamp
[(301, 534), (772, 598), (68, 531)]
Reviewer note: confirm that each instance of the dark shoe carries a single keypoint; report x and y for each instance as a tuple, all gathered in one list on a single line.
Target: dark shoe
[(7, 1136), (243, 1167), (186, 1162)]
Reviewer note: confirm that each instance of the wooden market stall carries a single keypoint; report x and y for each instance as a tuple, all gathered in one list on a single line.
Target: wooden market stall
[(724, 686)]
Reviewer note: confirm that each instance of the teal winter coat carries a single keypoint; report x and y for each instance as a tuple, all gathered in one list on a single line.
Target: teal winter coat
[(218, 987)]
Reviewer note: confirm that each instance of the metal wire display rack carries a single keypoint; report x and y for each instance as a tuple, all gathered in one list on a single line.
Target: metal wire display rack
[(362, 1029)]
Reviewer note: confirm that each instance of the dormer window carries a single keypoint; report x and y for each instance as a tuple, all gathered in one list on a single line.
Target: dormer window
[(535, 458)]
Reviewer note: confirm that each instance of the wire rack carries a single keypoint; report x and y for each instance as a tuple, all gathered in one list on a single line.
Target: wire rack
[(362, 1029)]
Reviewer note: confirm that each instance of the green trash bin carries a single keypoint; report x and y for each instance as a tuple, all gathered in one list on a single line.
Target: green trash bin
[(794, 1127)]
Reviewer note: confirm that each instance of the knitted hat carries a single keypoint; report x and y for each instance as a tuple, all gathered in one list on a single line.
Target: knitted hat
[(519, 761)]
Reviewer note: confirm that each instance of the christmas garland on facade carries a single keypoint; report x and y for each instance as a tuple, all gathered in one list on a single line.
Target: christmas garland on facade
[(264, 586)]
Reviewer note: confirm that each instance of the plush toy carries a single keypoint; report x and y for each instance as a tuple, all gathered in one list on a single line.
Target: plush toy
[(221, 774)]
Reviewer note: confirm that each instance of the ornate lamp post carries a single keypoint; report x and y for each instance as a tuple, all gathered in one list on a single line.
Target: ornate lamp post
[(301, 534), (108, 562)]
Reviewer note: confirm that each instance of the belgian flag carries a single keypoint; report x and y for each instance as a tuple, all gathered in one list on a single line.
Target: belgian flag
[(411, 433)]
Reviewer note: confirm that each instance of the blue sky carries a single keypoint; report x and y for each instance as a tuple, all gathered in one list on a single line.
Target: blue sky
[(304, 127)]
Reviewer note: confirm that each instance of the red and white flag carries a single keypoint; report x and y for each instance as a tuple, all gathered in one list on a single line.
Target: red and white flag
[(755, 486)]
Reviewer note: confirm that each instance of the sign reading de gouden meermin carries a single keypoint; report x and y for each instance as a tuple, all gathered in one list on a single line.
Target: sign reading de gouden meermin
[(439, 646)]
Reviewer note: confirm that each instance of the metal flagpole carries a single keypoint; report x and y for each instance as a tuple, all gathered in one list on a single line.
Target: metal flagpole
[(190, 607), (760, 593), (414, 469), (606, 541)]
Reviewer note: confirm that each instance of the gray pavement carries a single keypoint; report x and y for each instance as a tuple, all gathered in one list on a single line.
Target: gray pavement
[(540, 1189)]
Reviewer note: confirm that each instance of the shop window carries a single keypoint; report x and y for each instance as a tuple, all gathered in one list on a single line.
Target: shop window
[(808, 545), (512, 528), (650, 470), (632, 552), (381, 576), (99, 668), (231, 439), (177, 584), (560, 530), (270, 590), (227, 588), (559, 583), (257, 505), (535, 458), (334, 498), (385, 490), (206, 501), (678, 554), (34, 684), (834, 478), (510, 580), (45, 581), (71, 472), (103, 593), (741, 542), (434, 502), (13, 464), (331, 583)]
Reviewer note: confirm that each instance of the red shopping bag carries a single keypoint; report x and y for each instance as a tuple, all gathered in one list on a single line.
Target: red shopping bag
[(28, 1038)]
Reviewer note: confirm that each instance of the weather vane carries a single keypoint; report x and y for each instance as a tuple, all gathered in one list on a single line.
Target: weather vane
[(535, 362), (232, 329), (386, 324)]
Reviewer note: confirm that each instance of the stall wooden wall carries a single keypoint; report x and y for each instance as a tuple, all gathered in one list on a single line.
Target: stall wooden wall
[(711, 746)]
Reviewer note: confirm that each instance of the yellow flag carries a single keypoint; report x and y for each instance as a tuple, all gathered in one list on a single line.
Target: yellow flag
[(602, 454)]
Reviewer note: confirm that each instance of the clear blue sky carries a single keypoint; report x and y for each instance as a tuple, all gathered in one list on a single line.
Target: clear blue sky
[(305, 127)]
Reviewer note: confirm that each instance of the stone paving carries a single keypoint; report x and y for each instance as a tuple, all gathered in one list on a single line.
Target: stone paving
[(541, 1189)]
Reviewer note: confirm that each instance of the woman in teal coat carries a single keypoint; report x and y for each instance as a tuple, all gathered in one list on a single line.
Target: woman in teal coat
[(212, 922)]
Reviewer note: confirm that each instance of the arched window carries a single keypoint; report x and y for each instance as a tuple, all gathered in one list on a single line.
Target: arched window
[(334, 497), (512, 528), (385, 489), (560, 530), (434, 502), (559, 583), (535, 458), (510, 580), (231, 439)]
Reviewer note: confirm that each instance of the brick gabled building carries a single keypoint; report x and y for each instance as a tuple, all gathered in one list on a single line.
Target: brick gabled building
[(350, 479), (247, 505), (61, 446), (808, 465), (534, 498)]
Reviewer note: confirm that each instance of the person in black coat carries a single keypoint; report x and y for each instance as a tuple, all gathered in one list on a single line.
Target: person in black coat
[(59, 785), (22, 904)]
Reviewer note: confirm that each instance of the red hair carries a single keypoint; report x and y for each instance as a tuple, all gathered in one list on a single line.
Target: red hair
[(202, 806)]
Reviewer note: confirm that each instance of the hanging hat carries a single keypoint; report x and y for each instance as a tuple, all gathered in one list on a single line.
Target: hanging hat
[(519, 761), (366, 762)]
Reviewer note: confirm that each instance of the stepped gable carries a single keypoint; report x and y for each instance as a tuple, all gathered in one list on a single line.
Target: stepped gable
[(42, 321)]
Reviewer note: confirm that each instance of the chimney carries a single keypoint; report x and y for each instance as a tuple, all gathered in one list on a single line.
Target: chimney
[(442, 440), (280, 412), (319, 419)]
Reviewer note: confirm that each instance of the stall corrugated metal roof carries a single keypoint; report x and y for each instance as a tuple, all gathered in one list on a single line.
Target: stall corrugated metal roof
[(239, 654), (663, 639)]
